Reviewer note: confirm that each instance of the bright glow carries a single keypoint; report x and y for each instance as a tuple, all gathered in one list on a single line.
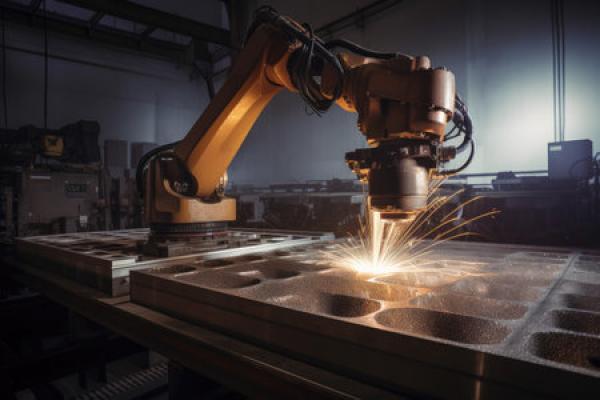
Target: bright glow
[(387, 246)]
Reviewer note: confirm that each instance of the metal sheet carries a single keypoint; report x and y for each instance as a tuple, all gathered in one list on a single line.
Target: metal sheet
[(491, 321), (103, 260)]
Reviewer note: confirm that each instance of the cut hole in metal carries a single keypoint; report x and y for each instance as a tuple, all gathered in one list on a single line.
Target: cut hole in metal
[(221, 280), (338, 305), (457, 328), (576, 321), (216, 263), (249, 258), (594, 361), (581, 302), (566, 348), (347, 306), (464, 305)]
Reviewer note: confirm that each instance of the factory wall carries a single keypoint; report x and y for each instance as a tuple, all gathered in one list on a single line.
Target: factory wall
[(133, 96), (501, 54), (582, 70)]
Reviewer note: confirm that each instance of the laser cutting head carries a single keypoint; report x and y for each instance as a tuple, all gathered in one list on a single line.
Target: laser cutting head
[(398, 174), (403, 107)]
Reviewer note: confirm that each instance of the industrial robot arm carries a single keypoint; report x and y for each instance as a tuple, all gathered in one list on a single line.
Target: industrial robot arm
[(403, 107)]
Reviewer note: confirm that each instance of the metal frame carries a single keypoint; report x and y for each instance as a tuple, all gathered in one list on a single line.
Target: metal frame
[(356, 18), (157, 19), (90, 29), (108, 269), (247, 368)]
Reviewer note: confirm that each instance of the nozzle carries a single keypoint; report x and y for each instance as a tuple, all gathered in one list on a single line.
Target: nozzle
[(398, 189)]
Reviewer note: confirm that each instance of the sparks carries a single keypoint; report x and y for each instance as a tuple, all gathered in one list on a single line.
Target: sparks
[(383, 247)]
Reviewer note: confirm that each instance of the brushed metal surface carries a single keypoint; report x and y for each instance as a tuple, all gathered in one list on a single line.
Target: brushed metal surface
[(491, 321), (103, 260)]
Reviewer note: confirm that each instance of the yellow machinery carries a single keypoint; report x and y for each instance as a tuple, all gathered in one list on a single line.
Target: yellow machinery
[(403, 107)]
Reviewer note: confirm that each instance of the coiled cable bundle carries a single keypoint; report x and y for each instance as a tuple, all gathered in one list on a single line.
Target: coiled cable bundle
[(462, 126)]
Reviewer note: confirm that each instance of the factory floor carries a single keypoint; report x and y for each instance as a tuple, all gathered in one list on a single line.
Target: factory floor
[(117, 373)]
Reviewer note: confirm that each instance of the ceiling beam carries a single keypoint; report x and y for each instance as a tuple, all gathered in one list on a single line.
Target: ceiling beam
[(16, 13), (159, 19), (95, 19), (357, 17), (147, 32), (35, 5)]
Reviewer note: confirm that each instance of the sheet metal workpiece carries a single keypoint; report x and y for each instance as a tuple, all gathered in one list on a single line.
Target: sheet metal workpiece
[(483, 322), (103, 260)]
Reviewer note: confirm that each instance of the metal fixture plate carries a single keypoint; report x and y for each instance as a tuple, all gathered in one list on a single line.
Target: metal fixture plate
[(491, 321), (103, 260)]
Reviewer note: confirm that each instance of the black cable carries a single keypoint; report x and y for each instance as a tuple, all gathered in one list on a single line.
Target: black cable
[(45, 68), (4, 90), (462, 122), (142, 164), (307, 61), (465, 164), (355, 48), (462, 118)]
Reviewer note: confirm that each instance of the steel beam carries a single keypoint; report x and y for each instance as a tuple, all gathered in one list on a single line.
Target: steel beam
[(35, 5), (16, 13), (357, 17), (152, 17), (147, 32), (96, 19)]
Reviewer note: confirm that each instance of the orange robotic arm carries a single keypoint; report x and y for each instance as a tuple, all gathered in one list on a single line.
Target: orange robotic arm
[(403, 107)]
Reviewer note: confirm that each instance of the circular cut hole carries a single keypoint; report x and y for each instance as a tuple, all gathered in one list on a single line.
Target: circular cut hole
[(346, 306), (297, 250), (457, 328), (594, 361), (581, 302), (337, 305), (249, 258), (464, 305), (216, 263), (350, 286), (174, 269), (222, 280), (577, 350), (576, 321)]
